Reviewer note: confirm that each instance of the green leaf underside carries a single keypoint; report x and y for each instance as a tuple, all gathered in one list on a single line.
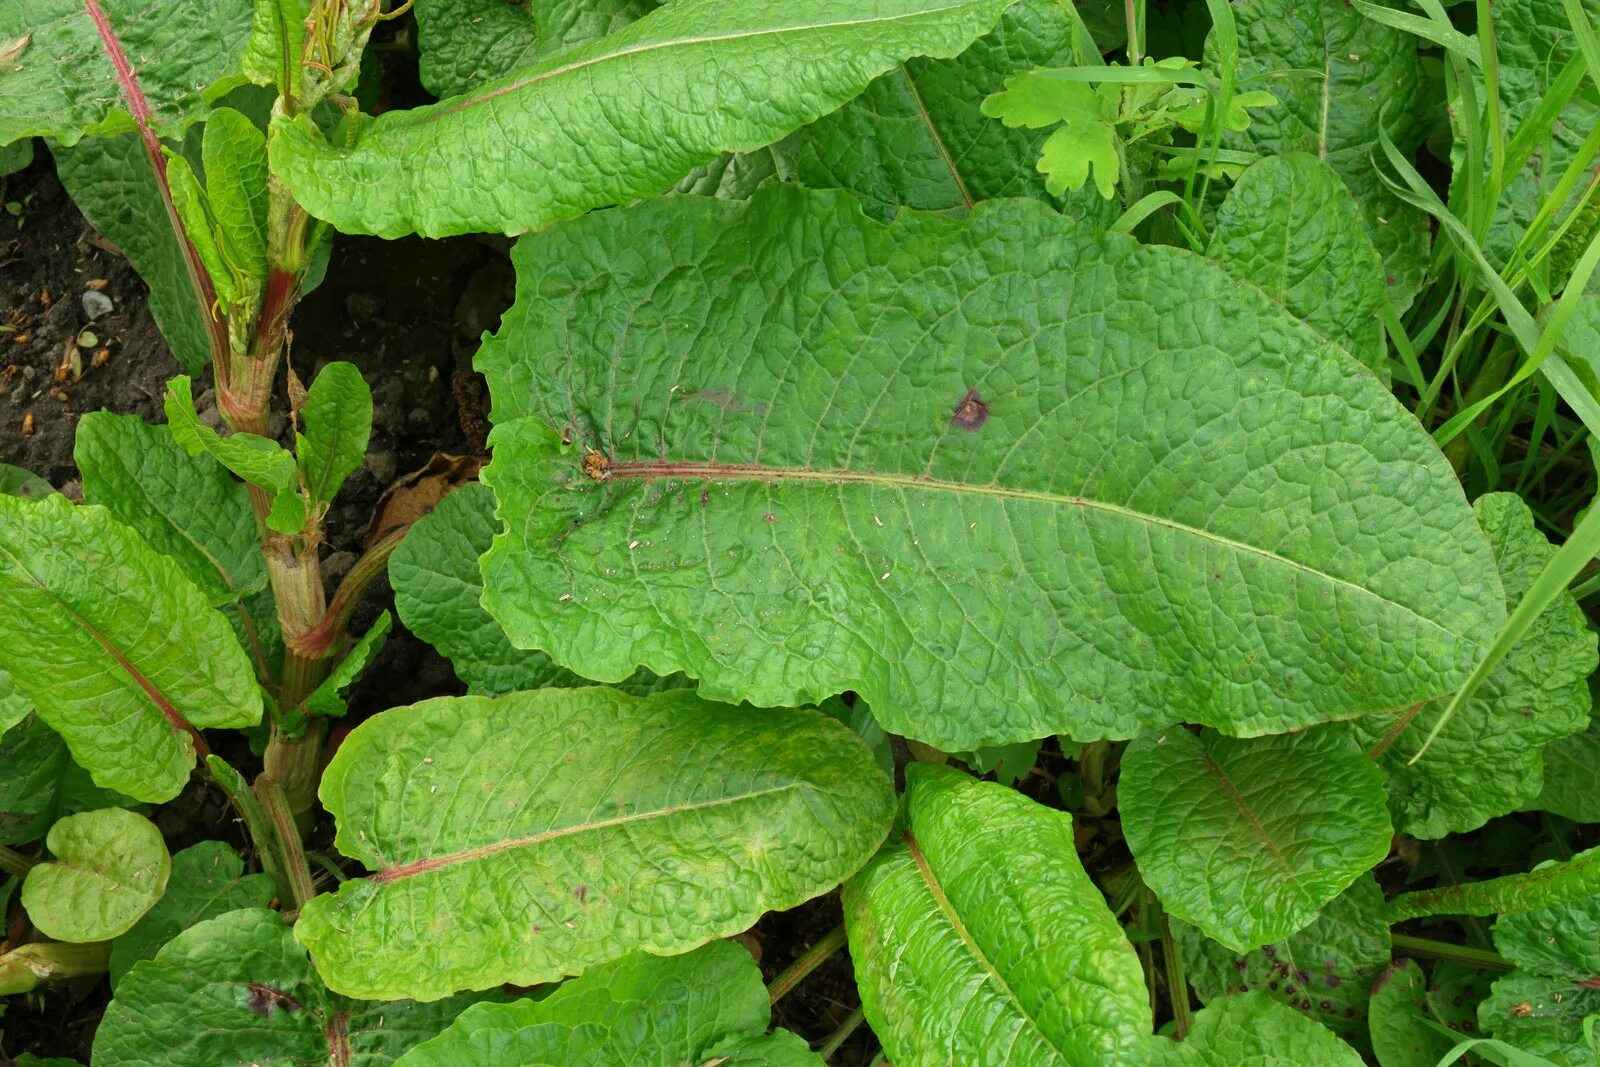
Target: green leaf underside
[(1290, 226), (976, 929), (207, 880), (1252, 1030), (107, 869), (112, 183), (1363, 70), (795, 504), (117, 648), (39, 783), (1489, 758), (236, 991), (615, 824), (190, 509), (437, 587), (1541, 1006), (62, 83), (641, 1010), (1401, 1028), (617, 118), (1323, 970), (1249, 839)]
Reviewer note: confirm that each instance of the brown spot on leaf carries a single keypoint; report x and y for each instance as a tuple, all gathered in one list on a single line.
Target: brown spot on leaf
[(264, 999), (971, 413), (597, 466)]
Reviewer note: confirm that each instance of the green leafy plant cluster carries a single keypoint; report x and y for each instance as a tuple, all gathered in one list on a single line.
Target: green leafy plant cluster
[(848, 449)]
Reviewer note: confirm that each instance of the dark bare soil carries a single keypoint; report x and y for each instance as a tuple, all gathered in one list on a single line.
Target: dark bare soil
[(408, 313)]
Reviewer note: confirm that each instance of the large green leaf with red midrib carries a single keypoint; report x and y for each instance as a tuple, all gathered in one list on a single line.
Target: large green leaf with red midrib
[(1004, 477)]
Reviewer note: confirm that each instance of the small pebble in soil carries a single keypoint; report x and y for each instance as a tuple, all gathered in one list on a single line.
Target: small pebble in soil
[(95, 304)]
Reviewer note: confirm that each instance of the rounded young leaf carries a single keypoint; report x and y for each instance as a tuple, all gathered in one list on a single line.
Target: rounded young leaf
[(790, 451), (977, 930), (529, 837), (641, 1010), (107, 869), (236, 991), (1252, 1029), (118, 650), (1248, 839)]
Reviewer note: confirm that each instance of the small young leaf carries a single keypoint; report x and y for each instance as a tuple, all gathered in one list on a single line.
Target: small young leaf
[(328, 699), (436, 584), (194, 214), (338, 425), (207, 880), (234, 152), (976, 929), (1402, 1031), (1249, 839), (664, 437), (618, 824), (1088, 135), (258, 460), (108, 868), (590, 131), (39, 782), (236, 989), (118, 650), (1290, 226), (1253, 1029), (1323, 970), (1488, 759), (640, 1010)]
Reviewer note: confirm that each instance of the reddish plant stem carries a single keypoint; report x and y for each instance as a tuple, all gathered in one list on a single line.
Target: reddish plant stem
[(319, 642)]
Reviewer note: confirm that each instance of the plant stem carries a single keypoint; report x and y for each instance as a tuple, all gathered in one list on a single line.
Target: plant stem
[(1177, 983), (808, 961), (295, 764), (1444, 950), (256, 824), (841, 1035), (22, 969), (14, 862), (287, 838), (320, 640)]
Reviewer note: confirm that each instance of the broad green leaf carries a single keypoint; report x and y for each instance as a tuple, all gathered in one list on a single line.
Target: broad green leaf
[(1250, 839), (465, 43), (975, 930), (92, 66), (1290, 226), (338, 425), (918, 137), (1572, 776), (1548, 885), (117, 649), (190, 509), (207, 880), (328, 698), (225, 218), (1252, 1030), (790, 451), (617, 824), (1533, 41), (39, 783), (1323, 970), (112, 184), (236, 991), (621, 117), (107, 868), (259, 460), (15, 481), (1402, 1033), (436, 584), (1359, 70), (859, 718), (641, 1010), (1454, 992), (1541, 1006), (1489, 758)]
